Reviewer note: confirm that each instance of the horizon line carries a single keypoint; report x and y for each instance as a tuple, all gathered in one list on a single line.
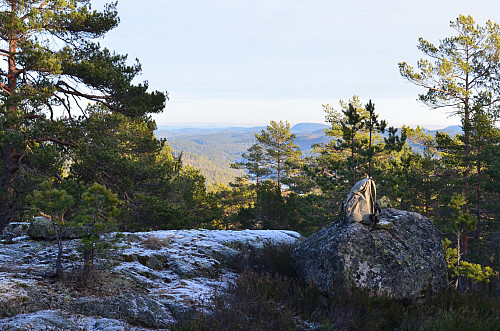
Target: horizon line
[(221, 125)]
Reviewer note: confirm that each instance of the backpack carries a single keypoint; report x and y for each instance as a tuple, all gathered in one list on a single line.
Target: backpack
[(360, 204)]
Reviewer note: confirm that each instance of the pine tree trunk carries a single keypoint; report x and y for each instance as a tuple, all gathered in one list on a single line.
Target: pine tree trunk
[(5, 211), (9, 151), (457, 286), (86, 265), (352, 160), (370, 155), (7, 195), (478, 187), (59, 268), (466, 159)]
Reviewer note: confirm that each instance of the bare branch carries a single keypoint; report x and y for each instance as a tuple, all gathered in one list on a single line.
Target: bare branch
[(57, 141), (5, 88), (32, 116), (73, 91), (51, 111)]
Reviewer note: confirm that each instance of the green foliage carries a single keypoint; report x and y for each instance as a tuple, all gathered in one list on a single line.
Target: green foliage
[(313, 211), (256, 200), (355, 150), (53, 203), (347, 125), (373, 125), (463, 75), (98, 210), (462, 72), (122, 153), (463, 221), (232, 200), (493, 170), (472, 54), (254, 162), (96, 217), (272, 207), (415, 178), (475, 272), (54, 64), (277, 140)]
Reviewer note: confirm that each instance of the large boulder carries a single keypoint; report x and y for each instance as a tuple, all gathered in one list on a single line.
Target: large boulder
[(41, 228), (401, 258)]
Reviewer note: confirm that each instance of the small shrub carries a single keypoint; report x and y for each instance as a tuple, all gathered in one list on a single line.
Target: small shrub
[(257, 301), (97, 215), (264, 301), (461, 319), (102, 282)]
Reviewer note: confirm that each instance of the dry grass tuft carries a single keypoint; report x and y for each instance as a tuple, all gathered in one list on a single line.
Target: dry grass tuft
[(155, 243)]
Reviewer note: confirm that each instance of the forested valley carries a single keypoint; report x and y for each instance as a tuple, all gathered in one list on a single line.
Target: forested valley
[(78, 146)]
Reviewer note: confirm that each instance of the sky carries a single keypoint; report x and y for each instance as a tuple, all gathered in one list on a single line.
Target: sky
[(247, 62)]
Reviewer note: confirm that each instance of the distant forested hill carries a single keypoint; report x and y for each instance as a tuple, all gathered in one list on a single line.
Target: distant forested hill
[(212, 153), (212, 150)]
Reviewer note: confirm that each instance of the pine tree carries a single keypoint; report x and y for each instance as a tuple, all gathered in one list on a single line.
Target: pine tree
[(52, 64), (255, 163), (373, 125), (54, 203), (354, 146), (464, 75), (415, 176), (97, 216), (278, 143)]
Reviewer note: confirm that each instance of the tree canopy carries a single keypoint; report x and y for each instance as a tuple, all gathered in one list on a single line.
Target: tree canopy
[(462, 72), (53, 67), (278, 143)]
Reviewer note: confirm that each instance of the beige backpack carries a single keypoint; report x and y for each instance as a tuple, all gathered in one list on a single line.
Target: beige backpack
[(359, 205)]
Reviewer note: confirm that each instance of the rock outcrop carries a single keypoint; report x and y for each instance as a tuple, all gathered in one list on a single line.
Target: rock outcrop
[(59, 320), (15, 230), (401, 258), (134, 308), (153, 280)]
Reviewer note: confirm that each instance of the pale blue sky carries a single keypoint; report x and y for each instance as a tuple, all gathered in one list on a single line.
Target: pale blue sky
[(243, 62)]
